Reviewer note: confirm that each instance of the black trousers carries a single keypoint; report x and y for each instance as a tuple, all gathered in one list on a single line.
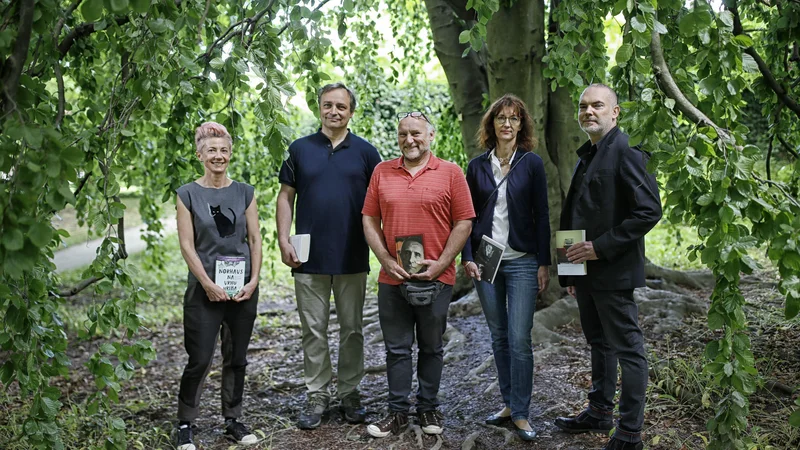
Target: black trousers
[(202, 322), (399, 320), (610, 322)]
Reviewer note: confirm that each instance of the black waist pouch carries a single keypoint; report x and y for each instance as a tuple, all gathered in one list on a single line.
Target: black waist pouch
[(420, 293)]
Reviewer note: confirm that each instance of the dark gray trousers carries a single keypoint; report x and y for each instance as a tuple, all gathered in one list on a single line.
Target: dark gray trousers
[(610, 322), (202, 322), (399, 321)]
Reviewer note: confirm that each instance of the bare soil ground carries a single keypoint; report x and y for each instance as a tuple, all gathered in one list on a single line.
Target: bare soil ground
[(677, 409)]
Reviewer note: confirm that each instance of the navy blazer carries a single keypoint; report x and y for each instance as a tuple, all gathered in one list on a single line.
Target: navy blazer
[(617, 203), (526, 194)]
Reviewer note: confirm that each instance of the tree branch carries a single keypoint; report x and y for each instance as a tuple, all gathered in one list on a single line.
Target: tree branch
[(12, 67), (670, 88), (80, 32), (787, 147), (780, 188), (769, 78)]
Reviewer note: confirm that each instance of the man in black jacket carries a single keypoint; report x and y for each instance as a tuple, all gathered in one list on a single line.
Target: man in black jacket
[(616, 201)]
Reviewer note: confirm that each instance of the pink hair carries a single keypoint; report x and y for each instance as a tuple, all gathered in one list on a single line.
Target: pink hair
[(210, 130)]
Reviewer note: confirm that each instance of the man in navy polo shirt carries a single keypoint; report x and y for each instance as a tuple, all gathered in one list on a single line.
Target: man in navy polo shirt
[(329, 172)]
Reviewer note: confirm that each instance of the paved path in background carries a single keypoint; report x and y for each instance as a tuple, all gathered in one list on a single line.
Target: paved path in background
[(81, 255)]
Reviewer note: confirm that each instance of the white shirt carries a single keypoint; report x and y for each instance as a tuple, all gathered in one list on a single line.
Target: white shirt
[(500, 221)]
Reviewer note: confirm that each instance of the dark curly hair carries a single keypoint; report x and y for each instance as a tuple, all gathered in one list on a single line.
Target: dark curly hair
[(525, 138)]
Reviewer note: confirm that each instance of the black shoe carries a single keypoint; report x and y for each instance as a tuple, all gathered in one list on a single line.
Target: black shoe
[(525, 435), (584, 423), (431, 422), (311, 417), (616, 444), (183, 438), (496, 419), (391, 423), (238, 432), (352, 410)]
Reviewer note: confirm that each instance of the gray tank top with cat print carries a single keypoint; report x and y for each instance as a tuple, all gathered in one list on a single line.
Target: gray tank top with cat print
[(220, 227)]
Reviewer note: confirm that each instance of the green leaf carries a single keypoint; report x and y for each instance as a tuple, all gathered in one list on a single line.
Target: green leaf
[(624, 53), (726, 17), (40, 234), (638, 25), (158, 26), (792, 306), (13, 239), (92, 10), (50, 407), (728, 369), (749, 64), (705, 199), (348, 5), (108, 348), (217, 63), (463, 37), (140, 6), (659, 27), (119, 6), (743, 41), (794, 419), (647, 94), (715, 320)]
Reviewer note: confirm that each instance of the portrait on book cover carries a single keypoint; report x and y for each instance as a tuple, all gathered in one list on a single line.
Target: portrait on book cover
[(410, 253)]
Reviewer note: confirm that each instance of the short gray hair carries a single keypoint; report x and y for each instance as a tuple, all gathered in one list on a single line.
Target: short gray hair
[(338, 85)]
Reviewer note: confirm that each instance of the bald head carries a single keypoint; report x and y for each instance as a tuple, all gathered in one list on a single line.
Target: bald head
[(603, 87)]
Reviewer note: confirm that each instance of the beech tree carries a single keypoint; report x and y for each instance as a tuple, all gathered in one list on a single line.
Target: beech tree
[(681, 70), (102, 94)]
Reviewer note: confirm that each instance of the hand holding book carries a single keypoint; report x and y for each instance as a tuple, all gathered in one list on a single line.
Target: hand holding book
[(581, 252)]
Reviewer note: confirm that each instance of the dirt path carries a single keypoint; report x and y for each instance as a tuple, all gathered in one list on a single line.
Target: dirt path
[(274, 394), (677, 405)]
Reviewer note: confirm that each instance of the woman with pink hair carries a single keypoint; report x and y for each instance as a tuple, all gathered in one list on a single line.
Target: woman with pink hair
[(219, 238)]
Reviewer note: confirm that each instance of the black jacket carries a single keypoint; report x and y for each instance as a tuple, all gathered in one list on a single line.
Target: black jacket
[(528, 212), (617, 203)]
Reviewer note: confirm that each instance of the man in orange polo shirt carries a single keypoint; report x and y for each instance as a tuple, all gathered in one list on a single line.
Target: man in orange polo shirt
[(415, 195)]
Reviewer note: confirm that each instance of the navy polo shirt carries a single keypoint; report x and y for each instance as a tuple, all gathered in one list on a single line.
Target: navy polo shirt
[(331, 184)]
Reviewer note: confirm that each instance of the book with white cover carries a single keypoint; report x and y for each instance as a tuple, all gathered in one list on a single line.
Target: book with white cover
[(564, 240), (230, 274), (301, 244), (488, 258)]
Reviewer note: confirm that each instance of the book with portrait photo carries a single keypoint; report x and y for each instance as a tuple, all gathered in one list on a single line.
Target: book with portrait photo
[(564, 240), (410, 253), (488, 258)]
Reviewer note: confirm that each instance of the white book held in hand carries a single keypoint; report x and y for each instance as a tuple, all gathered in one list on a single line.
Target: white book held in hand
[(301, 244), (230, 274), (564, 240)]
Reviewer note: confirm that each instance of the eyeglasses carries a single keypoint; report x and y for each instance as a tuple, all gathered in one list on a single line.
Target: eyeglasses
[(500, 120), (415, 115)]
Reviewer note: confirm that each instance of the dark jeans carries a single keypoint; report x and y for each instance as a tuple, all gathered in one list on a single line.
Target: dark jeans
[(610, 322), (508, 305), (202, 322), (398, 323)]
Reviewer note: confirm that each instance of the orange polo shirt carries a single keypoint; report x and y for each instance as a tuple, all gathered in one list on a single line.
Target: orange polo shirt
[(427, 204)]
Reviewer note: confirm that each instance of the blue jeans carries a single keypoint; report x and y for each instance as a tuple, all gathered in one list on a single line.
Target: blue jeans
[(508, 305)]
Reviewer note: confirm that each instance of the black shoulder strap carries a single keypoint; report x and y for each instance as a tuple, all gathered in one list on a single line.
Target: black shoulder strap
[(488, 199)]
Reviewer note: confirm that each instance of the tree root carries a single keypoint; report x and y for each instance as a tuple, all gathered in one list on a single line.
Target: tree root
[(696, 279), (469, 442), (508, 435)]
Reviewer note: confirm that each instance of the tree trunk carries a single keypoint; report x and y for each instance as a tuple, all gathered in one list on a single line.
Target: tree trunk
[(515, 45), (465, 76)]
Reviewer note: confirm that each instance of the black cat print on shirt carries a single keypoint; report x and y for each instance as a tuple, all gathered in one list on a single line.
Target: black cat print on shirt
[(224, 225)]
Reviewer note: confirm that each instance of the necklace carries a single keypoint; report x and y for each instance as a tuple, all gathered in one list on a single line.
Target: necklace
[(504, 161)]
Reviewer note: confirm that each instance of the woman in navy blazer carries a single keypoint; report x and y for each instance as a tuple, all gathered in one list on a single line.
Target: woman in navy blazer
[(515, 215)]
